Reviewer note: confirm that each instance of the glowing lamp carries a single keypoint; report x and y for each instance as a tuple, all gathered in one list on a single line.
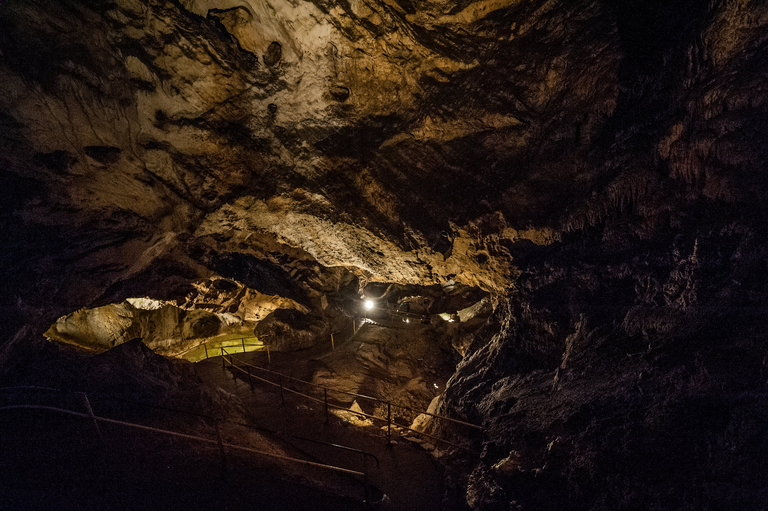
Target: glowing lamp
[(368, 305)]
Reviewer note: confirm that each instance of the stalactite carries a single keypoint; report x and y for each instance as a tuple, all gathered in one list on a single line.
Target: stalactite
[(686, 165), (622, 195)]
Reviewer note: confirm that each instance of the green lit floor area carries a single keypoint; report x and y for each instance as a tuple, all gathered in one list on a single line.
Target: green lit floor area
[(229, 344)]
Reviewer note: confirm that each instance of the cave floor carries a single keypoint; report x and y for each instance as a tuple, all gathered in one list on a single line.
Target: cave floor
[(49, 460), (409, 475)]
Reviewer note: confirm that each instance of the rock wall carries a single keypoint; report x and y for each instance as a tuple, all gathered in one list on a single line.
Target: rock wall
[(624, 378), (608, 378), (164, 328)]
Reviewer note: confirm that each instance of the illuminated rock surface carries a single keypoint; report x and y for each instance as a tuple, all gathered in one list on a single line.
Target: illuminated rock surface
[(597, 168)]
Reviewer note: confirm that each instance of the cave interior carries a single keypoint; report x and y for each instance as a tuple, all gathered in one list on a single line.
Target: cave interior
[(348, 254)]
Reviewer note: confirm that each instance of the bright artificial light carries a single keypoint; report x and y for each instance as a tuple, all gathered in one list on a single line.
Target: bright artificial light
[(368, 305)]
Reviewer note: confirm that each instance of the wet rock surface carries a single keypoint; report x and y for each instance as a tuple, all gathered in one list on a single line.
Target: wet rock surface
[(291, 330)]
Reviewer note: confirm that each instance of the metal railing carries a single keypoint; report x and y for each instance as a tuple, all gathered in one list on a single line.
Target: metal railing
[(211, 348), (245, 368), (218, 441)]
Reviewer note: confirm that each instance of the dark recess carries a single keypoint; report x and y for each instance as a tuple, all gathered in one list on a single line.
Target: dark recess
[(264, 276), (274, 54), (58, 161), (647, 28), (103, 154)]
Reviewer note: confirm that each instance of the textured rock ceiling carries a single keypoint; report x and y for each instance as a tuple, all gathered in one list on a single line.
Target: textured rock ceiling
[(378, 137), (598, 167), (364, 136)]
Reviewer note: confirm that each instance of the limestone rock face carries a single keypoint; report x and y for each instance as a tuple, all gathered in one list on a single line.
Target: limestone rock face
[(605, 366), (333, 129), (597, 167), (291, 330), (163, 327), (224, 296), (132, 373)]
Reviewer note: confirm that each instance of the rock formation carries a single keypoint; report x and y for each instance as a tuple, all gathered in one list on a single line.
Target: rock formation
[(595, 167)]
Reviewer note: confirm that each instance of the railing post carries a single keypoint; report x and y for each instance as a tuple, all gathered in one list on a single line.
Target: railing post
[(333, 346), (93, 417), (269, 357), (389, 422), (250, 380), (325, 393), (223, 360), (243, 340), (205, 345)]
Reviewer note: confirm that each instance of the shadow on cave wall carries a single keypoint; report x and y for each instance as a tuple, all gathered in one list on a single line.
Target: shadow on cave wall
[(264, 276)]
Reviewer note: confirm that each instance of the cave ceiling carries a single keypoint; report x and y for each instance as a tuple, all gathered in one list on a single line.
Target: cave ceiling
[(146, 144)]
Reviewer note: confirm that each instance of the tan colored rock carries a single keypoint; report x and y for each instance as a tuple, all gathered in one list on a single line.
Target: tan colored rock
[(164, 328)]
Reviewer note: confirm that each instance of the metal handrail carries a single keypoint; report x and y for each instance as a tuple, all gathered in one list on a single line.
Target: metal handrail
[(86, 401), (209, 341), (250, 426), (324, 401), (26, 387), (356, 395), (305, 382), (203, 416), (457, 421), (293, 391), (343, 447), (184, 435)]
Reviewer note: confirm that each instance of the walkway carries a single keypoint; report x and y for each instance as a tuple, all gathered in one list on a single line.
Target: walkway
[(408, 475), (56, 461)]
